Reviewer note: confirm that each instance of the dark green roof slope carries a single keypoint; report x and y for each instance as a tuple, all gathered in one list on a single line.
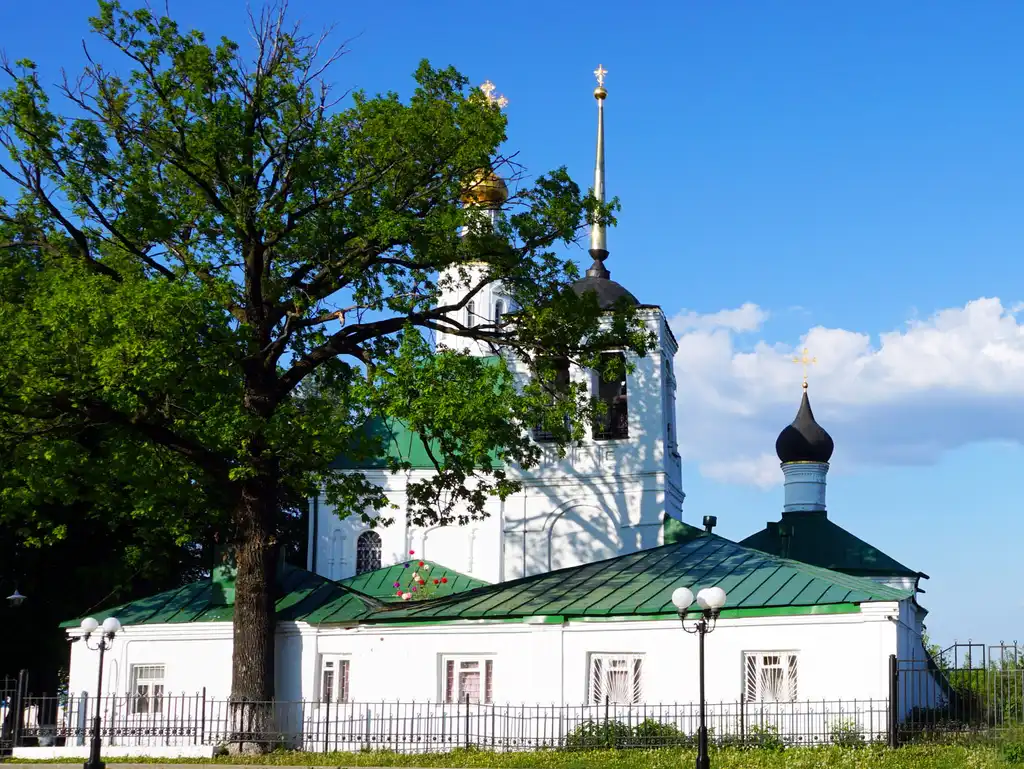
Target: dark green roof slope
[(641, 584), (300, 596), (298, 593), (675, 530), (814, 539), (380, 583)]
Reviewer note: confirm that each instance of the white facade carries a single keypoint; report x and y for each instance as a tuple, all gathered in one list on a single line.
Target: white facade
[(838, 656), (605, 498)]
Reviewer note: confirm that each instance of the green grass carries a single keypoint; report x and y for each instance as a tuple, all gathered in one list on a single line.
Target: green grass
[(911, 757)]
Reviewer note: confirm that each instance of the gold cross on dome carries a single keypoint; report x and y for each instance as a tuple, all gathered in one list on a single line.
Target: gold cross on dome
[(805, 359), (599, 73), (489, 88)]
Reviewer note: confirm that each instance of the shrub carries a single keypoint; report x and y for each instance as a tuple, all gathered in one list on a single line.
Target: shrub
[(847, 734), (1013, 752), (598, 734), (655, 734), (764, 738)]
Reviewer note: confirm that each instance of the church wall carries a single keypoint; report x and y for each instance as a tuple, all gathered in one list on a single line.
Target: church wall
[(839, 656), (605, 498)]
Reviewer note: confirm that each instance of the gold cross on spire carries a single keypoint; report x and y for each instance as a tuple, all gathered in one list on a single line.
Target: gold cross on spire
[(806, 360), (599, 73), (488, 88)]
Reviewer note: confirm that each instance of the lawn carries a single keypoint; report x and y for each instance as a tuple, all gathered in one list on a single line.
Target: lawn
[(911, 757)]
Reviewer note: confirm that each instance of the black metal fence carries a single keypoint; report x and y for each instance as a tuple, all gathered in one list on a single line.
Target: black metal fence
[(980, 697), (968, 690), (411, 727)]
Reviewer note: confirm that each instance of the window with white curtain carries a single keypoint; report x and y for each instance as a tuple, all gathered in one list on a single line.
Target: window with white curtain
[(147, 692), (333, 679), (616, 679), (770, 676), (469, 678)]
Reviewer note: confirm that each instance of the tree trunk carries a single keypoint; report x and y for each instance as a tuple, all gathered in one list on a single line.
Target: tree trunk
[(252, 673)]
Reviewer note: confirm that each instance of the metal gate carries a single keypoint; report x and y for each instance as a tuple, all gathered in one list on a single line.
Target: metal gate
[(12, 694)]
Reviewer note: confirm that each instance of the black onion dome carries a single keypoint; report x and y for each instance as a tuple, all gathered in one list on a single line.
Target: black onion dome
[(804, 440), (598, 279)]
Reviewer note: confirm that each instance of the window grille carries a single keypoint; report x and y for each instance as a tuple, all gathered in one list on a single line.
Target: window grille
[(368, 549)]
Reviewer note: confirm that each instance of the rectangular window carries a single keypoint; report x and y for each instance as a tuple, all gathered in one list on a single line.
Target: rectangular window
[(611, 396), (468, 677), (770, 676), (616, 679), (334, 679), (557, 384), (147, 689)]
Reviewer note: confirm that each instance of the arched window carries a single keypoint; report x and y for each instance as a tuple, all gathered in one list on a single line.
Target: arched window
[(470, 315), (499, 310), (367, 552)]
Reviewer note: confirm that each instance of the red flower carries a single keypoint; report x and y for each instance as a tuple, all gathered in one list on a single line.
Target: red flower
[(412, 552), (399, 593), (437, 581), (421, 563), (444, 579)]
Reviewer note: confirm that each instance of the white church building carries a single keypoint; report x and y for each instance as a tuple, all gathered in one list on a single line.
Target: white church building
[(559, 600)]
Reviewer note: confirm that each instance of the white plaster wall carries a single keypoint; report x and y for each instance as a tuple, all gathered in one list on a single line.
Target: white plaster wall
[(603, 499), (840, 656)]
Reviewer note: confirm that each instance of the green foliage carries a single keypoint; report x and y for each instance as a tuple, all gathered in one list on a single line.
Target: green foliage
[(764, 738), (599, 734), (1013, 752), (930, 757), (847, 734), (214, 274)]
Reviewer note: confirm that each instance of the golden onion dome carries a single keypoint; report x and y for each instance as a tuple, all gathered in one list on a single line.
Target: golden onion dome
[(485, 188)]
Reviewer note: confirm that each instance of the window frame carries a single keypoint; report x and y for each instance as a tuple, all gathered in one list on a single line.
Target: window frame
[(341, 686), (753, 682), (634, 666), (152, 702), (604, 427), (499, 312), (451, 690), (379, 545)]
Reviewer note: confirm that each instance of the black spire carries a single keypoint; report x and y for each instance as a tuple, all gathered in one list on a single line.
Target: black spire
[(804, 440)]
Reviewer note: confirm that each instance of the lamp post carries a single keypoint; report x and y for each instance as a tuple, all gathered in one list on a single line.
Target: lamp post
[(109, 627), (710, 601), (16, 599)]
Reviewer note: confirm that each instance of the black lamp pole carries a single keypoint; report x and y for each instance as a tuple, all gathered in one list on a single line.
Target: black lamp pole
[(701, 628), (94, 762)]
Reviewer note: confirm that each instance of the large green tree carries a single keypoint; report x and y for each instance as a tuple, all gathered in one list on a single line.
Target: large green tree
[(218, 271)]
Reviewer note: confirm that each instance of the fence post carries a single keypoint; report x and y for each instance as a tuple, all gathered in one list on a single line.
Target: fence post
[(327, 723), (607, 723), (18, 703), (202, 719), (467, 720), (894, 713)]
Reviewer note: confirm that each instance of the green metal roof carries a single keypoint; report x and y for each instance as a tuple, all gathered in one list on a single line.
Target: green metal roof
[(298, 592), (300, 596), (675, 530), (641, 584), (814, 539), (380, 583), (637, 585)]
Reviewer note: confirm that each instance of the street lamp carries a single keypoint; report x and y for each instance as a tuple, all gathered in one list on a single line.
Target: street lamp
[(16, 599), (109, 627), (710, 601)]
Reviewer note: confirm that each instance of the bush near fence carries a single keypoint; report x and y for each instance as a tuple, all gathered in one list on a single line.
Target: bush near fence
[(870, 757)]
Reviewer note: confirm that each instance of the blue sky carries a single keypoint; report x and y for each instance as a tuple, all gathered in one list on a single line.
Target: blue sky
[(831, 172)]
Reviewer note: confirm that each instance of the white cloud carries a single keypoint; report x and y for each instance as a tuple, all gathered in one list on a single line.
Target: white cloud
[(909, 395)]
